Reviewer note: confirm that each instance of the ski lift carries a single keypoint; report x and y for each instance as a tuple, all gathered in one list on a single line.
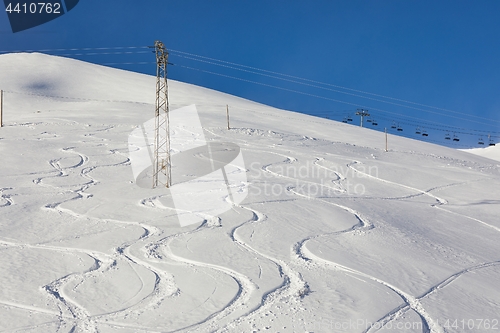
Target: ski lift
[(481, 141), (455, 138), (424, 133), (418, 131), (393, 126), (491, 141), (400, 129), (447, 136)]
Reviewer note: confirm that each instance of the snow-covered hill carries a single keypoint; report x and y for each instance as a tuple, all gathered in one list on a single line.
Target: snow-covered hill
[(492, 152), (333, 235)]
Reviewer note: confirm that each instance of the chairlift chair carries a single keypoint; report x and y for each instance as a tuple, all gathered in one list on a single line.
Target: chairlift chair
[(455, 138), (345, 120), (349, 118), (417, 131), (400, 129), (374, 123), (481, 141), (491, 141), (424, 133), (393, 125), (447, 136)]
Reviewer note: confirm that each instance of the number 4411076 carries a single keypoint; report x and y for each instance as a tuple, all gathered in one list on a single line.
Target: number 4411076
[(34, 8)]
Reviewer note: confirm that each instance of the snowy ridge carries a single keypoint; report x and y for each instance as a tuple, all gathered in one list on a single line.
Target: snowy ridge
[(492, 152), (334, 231)]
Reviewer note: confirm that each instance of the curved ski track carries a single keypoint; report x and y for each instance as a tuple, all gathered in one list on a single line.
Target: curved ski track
[(70, 311), (411, 302), (293, 286), (6, 198), (301, 252)]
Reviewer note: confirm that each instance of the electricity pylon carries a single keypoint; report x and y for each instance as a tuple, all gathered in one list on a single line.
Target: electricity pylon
[(162, 175), (362, 113)]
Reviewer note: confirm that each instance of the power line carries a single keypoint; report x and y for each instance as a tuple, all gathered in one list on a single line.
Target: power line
[(443, 128), (326, 84), (128, 63), (308, 94), (76, 49), (283, 77), (101, 53)]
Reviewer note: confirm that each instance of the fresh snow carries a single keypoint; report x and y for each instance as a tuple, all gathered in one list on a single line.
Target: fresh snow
[(334, 233), (492, 152)]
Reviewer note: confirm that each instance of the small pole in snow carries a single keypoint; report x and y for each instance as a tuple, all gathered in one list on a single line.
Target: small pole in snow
[(386, 140), (227, 113), (1, 108)]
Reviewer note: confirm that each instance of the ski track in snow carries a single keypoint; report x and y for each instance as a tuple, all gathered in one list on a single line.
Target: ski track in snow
[(293, 286), (301, 251), (68, 309), (71, 312), (299, 248), (155, 251), (6, 198), (441, 202), (164, 286), (412, 303), (398, 312)]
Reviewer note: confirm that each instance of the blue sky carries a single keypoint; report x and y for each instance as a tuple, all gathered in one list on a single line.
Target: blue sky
[(443, 56)]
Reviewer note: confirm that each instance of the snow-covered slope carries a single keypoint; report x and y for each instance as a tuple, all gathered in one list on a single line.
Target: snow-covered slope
[(492, 152), (334, 235)]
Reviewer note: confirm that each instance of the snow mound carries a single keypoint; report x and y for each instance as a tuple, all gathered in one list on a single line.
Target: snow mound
[(491, 152)]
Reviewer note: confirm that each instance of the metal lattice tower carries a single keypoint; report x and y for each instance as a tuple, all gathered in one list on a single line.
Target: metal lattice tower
[(162, 175)]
